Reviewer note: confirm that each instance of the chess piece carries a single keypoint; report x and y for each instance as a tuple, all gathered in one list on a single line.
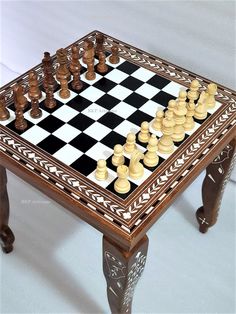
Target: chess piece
[(210, 95), (75, 68), (62, 71), (102, 67), (193, 93), (4, 112), (118, 159), (88, 58), (64, 91), (157, 122), (200, 110), (99, 44), (20, 102), (182, 99), (48, 71), (189, 122), (144, 134), (130, 145), (179, 118), (171, 106), (114, 57), (101, 171), (136, 169), (122, 184), (34, 95), (150, 158), (166, 144), (50, 101)]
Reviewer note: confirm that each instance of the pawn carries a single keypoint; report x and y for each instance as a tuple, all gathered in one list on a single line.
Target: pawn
[(171, 105), (157, 123), (102, 67), (122, 184), (118, 159), (210, 95), (193, 92), (64, 92), (114, 57), (130, 145), (50, 101), (150, 158), (182, 99), (35, 111), (90, 74), (200, 111), (166, 144), (101, 171), (189, 122), (4, 113), (144, 134)]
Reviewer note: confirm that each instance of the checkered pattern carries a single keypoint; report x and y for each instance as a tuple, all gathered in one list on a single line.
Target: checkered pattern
[(86, 126)]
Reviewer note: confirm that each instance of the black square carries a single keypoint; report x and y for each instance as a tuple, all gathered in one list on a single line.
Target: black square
[(112, 139), (84, 165), (81, 122), (128, 67), (139, 116), (114, 168), (83, 142), (135, 100), (110, 120), (11, 126), (163, 98), (42, 106), (201, 121), (51, 124), (158, 81), (179, 143), (105, 73), (152, 169), (107, 101), (104, 84), (131, 83), (51, 144), (79, 103), (110, 188), (85, 86)]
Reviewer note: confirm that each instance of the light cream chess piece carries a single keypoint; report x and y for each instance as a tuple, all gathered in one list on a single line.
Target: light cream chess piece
[(210, 95), (122, 184), (166, 144), (157, 122), (136, 169), (179, 118), (130, 145), (189, 122), (101, 171), (144, 134), (193, 93), (171, 105), (182, 99), (200, 111), (150, 158), (118, 158)]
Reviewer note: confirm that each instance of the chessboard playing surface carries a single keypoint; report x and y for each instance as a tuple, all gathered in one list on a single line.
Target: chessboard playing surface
[(85, 127)]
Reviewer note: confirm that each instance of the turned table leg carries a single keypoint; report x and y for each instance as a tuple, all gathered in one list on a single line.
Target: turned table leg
[(6, 235), (217, 175), (122, 270)]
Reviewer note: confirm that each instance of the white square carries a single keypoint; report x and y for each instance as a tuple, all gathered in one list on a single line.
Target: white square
[(65, 113), (151, 107), (99, 151), (84, 64), (117, 64), (68, 154), (147, 90), (143, 74), (123, 110), (116, 76), (126, 127), (145, 176), (90, 82), (217, 106), (103, 183), (174, 88), (97, 131), (66, 133), (165, 156), (11, 118), (41, 99), (36, 121), (120, 92), (35, 135), (196, 126), (94, 111), (64, 101), (92, 93)]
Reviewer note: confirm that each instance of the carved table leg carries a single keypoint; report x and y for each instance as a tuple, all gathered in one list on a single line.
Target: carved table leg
[(217, 175), (6, 236), (122, 270)]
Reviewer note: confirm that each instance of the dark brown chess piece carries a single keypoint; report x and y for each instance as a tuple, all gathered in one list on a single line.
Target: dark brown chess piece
[(48, 71), (64, 92), (89, 60), (114, 57), (75, 68), (99, 44), (102, 67), (4, 113), (62, 70), (34, 95), (20, 102), (50, 101)]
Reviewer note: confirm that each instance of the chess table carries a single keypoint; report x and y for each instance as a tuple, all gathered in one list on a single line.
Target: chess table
[(58, 154)]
